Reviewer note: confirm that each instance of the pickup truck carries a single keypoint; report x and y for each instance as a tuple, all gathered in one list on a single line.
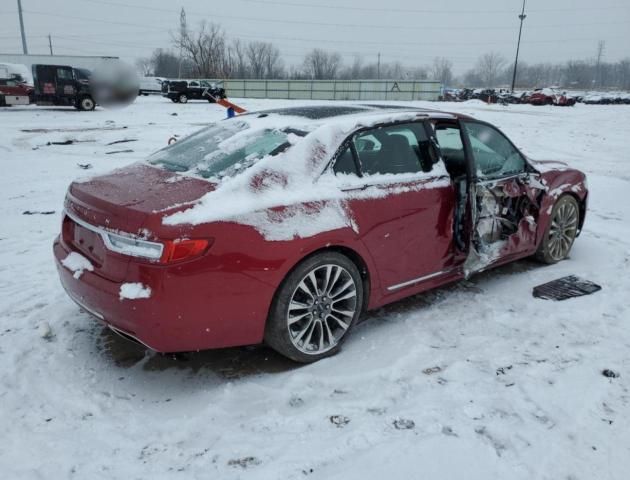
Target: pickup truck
[(180, 91)]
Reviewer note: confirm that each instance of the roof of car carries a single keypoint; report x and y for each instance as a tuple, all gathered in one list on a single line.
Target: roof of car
[(321, 112)]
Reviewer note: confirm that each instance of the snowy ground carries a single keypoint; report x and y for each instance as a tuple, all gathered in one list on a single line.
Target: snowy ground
[(474, 381)]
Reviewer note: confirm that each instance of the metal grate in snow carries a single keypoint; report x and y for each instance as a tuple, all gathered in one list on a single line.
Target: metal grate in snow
[(565, 287)]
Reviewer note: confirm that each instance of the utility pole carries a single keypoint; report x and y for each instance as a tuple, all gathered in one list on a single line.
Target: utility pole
[(378, 67), (600, 53), (183, 32), (50, 44), (24, 47), (522, 17)]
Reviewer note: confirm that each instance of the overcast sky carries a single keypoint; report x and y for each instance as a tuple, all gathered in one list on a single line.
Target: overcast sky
[(410, 31)]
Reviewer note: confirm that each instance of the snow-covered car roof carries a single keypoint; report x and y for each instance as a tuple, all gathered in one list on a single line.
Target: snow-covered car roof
[(330, 114)]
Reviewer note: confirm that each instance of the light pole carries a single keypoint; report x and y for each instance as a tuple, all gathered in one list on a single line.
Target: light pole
[(24, 48), (522, 17)]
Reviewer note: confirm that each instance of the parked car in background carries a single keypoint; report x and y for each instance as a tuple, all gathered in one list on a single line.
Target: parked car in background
[(283, 226), (180, 91), (550, 96), (606, 98), (150, 86)]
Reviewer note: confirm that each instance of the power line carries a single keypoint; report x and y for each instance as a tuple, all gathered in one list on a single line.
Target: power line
[(320, 24), (422, 10)]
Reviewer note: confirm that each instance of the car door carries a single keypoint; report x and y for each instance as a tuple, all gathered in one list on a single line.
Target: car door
[(194, 89), (65, 82), (401, 202), (506, 194), (206, 89)]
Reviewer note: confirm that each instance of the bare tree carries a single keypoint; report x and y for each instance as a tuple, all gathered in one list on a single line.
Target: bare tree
[(264, 60), (255, 52), (442, 70), (623, 74), (322, 65), (489, 67), (144, 66), (206, 49), (165, 63), (239, 60), (273, 62)]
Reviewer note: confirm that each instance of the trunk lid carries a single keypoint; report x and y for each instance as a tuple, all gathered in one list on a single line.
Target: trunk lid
[(120, 202)]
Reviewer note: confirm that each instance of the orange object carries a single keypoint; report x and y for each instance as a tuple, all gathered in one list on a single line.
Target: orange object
[(224, 102)]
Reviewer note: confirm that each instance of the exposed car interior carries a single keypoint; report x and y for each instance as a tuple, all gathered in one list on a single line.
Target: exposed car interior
[(395, 149)]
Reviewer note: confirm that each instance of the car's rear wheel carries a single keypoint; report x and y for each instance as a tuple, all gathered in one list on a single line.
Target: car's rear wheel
[(315, 308), (182, 98), (561, 231)]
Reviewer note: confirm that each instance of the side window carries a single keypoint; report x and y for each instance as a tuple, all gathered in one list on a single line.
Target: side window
[(494, 155), (394, 149), (193, 84), (345, 163), (64, 74), (204, 84), (452, 148)]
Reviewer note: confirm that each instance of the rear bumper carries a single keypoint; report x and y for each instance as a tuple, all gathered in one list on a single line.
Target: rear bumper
[(190, 307)]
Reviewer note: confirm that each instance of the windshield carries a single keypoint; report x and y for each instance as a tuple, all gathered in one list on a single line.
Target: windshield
[(212, 152)]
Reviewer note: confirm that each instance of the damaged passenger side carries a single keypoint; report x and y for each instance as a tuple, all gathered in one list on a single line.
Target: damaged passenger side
[(497, 194), (505, 198)]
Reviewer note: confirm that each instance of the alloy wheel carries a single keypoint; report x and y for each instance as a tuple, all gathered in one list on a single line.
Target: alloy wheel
[(563, 230), (321, 309)]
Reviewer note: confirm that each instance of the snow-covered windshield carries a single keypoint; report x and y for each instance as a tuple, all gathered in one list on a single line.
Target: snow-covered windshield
[(222, 150)]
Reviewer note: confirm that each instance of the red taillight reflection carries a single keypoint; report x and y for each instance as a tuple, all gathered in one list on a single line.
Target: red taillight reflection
[(179, 250)]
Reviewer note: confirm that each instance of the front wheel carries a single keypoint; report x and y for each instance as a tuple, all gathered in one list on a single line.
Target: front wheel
[(182, 98), (315, 307), (87, 104), (561, 231)]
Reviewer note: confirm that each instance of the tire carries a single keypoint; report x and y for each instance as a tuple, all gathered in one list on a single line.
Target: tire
[(307, 321), (561, 231), (86, 104), (182, 98)]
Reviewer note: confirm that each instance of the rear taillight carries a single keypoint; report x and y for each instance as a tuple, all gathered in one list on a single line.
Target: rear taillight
[(132, 246), (179, 250)]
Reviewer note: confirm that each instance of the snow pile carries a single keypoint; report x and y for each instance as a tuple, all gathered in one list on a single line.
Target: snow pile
[(77, 263), (134, 291)]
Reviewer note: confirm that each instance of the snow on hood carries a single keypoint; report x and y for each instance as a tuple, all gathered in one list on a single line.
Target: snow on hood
[(291, 179)]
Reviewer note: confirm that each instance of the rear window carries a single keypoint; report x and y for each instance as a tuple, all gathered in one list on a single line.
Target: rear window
[(222, 150)]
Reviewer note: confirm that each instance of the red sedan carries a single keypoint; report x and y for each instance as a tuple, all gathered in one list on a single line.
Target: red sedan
[(550, 96), (284, 226)]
